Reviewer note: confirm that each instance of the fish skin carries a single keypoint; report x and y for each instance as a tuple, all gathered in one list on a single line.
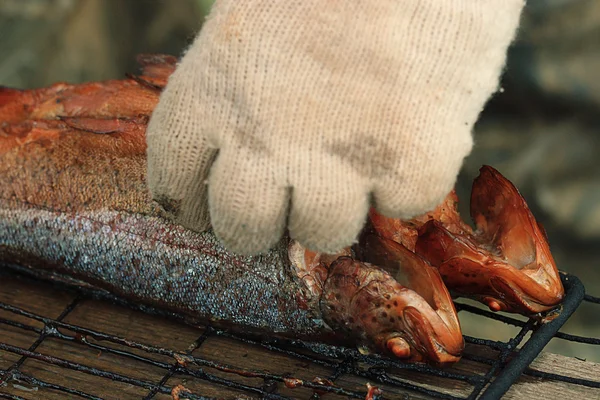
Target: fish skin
[(75, 201), (145, 258)]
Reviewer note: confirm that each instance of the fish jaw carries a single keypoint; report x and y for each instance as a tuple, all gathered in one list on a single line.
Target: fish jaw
[(502, 214), (476, 273), (506, 263)]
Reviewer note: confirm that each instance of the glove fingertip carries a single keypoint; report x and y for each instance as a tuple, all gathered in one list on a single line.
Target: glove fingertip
[(248, 209), (243, 242), (328, 224)]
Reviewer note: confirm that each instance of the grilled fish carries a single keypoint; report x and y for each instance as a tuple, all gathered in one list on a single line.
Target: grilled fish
[(74, 204)]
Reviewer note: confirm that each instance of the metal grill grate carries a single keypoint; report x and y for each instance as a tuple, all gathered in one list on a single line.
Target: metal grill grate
[(186, 372)]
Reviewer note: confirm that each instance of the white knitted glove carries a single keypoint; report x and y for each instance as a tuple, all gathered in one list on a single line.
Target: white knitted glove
[(299, 113)]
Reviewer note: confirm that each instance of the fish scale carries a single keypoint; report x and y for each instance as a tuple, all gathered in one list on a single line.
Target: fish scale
[(199, 279)]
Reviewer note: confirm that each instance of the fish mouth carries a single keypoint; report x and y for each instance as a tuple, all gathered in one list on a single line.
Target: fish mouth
[(416, 343), (510, 297), (520, 267), (501, 287), (474, 272), (420, 336), (439, 345)]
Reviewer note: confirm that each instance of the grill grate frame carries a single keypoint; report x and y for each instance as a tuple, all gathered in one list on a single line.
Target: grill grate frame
[(503, 371)]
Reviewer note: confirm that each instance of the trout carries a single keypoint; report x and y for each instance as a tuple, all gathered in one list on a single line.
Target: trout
[(74, 206)]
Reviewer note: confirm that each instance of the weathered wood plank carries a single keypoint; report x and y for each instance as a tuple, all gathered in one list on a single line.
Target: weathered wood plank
[(535, 388)]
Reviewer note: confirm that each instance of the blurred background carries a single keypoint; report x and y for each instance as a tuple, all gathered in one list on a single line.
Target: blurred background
[(542, 130)]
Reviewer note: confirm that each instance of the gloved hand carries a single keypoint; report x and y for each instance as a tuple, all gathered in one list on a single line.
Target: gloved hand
[(300, 113)]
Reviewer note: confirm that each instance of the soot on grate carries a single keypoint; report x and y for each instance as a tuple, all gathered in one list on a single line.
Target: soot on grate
[(294, 368)]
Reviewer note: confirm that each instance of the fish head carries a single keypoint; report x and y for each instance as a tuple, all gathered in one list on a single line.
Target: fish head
[(503, 219), (395, 302), (506, 263)]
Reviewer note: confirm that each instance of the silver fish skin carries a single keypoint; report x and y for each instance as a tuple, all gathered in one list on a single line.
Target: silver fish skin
[(147, 259)]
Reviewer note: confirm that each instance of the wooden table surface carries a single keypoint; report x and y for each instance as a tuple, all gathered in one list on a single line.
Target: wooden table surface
[(48, 301)]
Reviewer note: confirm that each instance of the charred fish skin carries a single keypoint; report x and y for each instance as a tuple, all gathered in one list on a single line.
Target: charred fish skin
[(145, 258)]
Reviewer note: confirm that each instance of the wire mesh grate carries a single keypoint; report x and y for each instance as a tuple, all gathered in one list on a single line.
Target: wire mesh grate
[(197, 372)]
